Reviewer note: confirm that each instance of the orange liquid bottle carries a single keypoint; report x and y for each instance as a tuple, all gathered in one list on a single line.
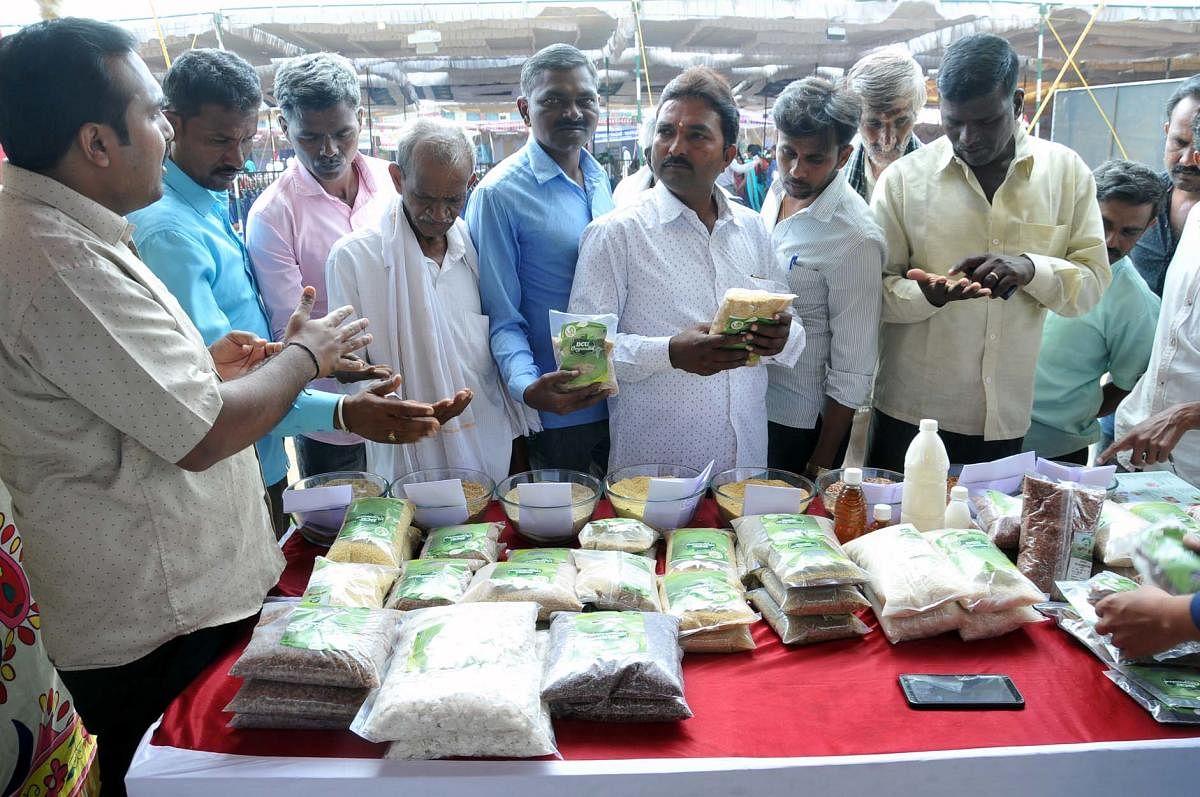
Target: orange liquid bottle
[(850, 511), (883, 517)]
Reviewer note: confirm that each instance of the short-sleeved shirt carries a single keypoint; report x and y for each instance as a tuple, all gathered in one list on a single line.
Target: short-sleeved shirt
[(1116, 336), (104, 385)]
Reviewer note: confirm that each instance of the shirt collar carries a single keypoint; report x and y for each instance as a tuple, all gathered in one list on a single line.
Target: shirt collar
[(1022, 154), (196, 195), (670, 207), (107, 226), (824, 206), (307, 184), (545, 168)]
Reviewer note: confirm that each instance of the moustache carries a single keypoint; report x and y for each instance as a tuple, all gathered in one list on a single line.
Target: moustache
[(677, 161), (570, 126), (1190, 171)]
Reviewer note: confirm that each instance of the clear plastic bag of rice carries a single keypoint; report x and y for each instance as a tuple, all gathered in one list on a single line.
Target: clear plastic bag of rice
[(617, 581), (319, 645), (985, 625), (347, 584), (700, 549), (946, 617), (465, 680), (743, 307), (617, 534), (755, 533), (749, 569), (309, 701), (987, 569), (601, 655), (550, 586), (908, 575), (1000, 516), (705, 600), (544, 556), (431, 582), (803, 601), (376, 531), (471, 541), (797, 630), (799, 549), (1117, 534)]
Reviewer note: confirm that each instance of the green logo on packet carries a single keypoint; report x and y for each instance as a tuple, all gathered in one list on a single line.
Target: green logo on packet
[(583, 347), (961, 544), (700, 545), (523, 575), (463, 539), (550, 556), (608, 634), (324, 628), (699, 591)]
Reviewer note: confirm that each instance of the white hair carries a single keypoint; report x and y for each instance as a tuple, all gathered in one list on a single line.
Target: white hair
[(888, 77), (448, 145)]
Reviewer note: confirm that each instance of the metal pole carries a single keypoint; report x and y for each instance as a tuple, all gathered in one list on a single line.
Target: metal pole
[(370, 126), (1037, 102)]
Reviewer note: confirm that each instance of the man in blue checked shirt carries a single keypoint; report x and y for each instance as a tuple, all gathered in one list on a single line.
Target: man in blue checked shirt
[(525, 218), (187, 239)]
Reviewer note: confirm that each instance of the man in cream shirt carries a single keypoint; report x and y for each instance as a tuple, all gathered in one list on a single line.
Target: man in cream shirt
[(986, 229)]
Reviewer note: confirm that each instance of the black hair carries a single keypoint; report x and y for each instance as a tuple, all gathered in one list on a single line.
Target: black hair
[(1130, 182), (815, 107), (708, 85), (1189, 88), (55, 77), (216, 77), (975, 66)]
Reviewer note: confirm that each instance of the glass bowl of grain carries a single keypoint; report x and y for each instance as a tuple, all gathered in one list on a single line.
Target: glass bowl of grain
[(552, 525), (729, 489), (628, 491), (321, 526), (879, 485), (477, 486)]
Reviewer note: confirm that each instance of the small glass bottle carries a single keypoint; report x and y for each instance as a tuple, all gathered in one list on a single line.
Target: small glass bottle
[(883, 517), (850, 511)]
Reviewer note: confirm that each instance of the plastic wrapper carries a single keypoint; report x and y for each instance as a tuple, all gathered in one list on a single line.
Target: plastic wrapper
[(1175, 687), (1117, 534), (615, 580), (908, 575), (806, 630), (319, 645), (617, 534), (1159, 710), (550, 586), (704, 600), (743, 307), (802, 601), (309, 701), (607, 656), (1000, 516), (730, 639), (700, 549), (585, 343), (1159, 511), (1058, 530), (430, 582), (985, 625), (376, 531), (349, 585), (624, 709), (799, 549), (471, 541), (998, 582), (544, 556), (918, 626), (464, 681), (1163, 560), (284, 722)]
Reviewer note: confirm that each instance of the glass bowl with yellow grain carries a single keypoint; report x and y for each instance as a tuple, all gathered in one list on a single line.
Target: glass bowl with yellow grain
[(321, 526), (729, 489), (628, 491), (548, 526), (478, 489)]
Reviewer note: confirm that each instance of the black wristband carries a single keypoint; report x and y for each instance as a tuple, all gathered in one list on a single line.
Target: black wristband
[(316, 363)]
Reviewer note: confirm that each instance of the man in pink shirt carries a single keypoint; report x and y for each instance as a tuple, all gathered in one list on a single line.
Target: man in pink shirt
[(328, 190)]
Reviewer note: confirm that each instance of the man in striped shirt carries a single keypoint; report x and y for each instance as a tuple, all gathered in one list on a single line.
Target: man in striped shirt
[(827, 242)]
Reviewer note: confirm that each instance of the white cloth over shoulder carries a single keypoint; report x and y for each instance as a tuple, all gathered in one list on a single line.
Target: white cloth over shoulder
[(658, 268), (426, 323)]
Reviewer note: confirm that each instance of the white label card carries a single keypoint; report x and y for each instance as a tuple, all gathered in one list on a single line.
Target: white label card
[(316, 498), (668, 505), (440, 503), (544, 508), (764, 499)]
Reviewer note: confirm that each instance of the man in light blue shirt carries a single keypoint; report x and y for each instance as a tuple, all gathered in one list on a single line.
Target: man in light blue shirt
[(1116, 337), (526, 217), (187, 240)]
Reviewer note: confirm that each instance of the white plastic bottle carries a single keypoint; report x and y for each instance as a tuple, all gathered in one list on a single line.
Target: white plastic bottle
[(925, 467), (958, 513)]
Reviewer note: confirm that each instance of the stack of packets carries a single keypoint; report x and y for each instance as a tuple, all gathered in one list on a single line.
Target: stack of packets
[(701, 587), (1059, 522), (807, 585), (922, 585), (311, 667)]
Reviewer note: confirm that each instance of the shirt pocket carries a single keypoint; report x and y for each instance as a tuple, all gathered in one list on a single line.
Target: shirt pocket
[(1043, 239), (811, 302), (473, 336)]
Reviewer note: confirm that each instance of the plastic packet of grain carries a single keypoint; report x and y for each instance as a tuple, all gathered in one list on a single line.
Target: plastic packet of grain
[(1000, 516), (550, 586), (541, 556), (704, 600), (987, 569), (347, 584), (946, 617), (908, 575), (601, 655), (1058, 530), (796, 630), (376, 531), (985, 625), (799, 549), (285, 722), (742, 308), (749, 569), (310, 701), (1117, 534), (623, 709), (319, 645), (585, 343), (617, 534), (431, 582), (700, 549), (1162, 558), (802, 601), (479, 541), (617, 581)]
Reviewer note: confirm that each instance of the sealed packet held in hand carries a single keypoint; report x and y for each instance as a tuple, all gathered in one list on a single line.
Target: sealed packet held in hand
[(585, 343)]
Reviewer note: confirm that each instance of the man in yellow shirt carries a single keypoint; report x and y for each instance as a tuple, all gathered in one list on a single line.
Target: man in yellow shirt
[(986, 228)]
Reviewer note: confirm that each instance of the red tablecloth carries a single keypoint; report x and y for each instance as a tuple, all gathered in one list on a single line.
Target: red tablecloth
[(836, 698)]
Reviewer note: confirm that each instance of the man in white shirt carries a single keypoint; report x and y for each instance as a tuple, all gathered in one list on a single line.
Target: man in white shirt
[(632, 186), (418, 273), (662, 266), (1159, 423), (827, 241)]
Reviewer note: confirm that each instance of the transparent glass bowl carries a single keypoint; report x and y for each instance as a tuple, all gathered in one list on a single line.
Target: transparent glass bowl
[(829, 485), (321, 526), (629, 499), (477, 485), (728, 488), (581, 506)]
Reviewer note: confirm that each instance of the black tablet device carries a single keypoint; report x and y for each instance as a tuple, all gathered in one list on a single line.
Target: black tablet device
[(961, 692)]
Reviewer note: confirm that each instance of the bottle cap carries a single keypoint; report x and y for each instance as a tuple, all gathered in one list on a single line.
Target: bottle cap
[(852, 476), (958, 493), (929, 425), (883, 511)]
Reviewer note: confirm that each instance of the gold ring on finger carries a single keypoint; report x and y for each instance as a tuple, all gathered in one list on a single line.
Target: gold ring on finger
[(391, 437)]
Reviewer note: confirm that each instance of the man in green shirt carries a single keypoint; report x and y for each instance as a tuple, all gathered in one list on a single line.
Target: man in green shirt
[(1114, 338)]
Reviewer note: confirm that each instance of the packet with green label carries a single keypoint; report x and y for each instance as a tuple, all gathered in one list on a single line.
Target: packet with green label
[(585, 343), (997, 582), (348, 584), (1163, 560), (551, 586), (1000, 516), (479, 541), (757, 532), (799, 549), (376, 531), (1159, 710), (807, 629), (552, 556), (617, 534), (431, 582), (908, 575), (617, 581), (705, 600), (1176, 687), (700, 549), (742, 308)]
